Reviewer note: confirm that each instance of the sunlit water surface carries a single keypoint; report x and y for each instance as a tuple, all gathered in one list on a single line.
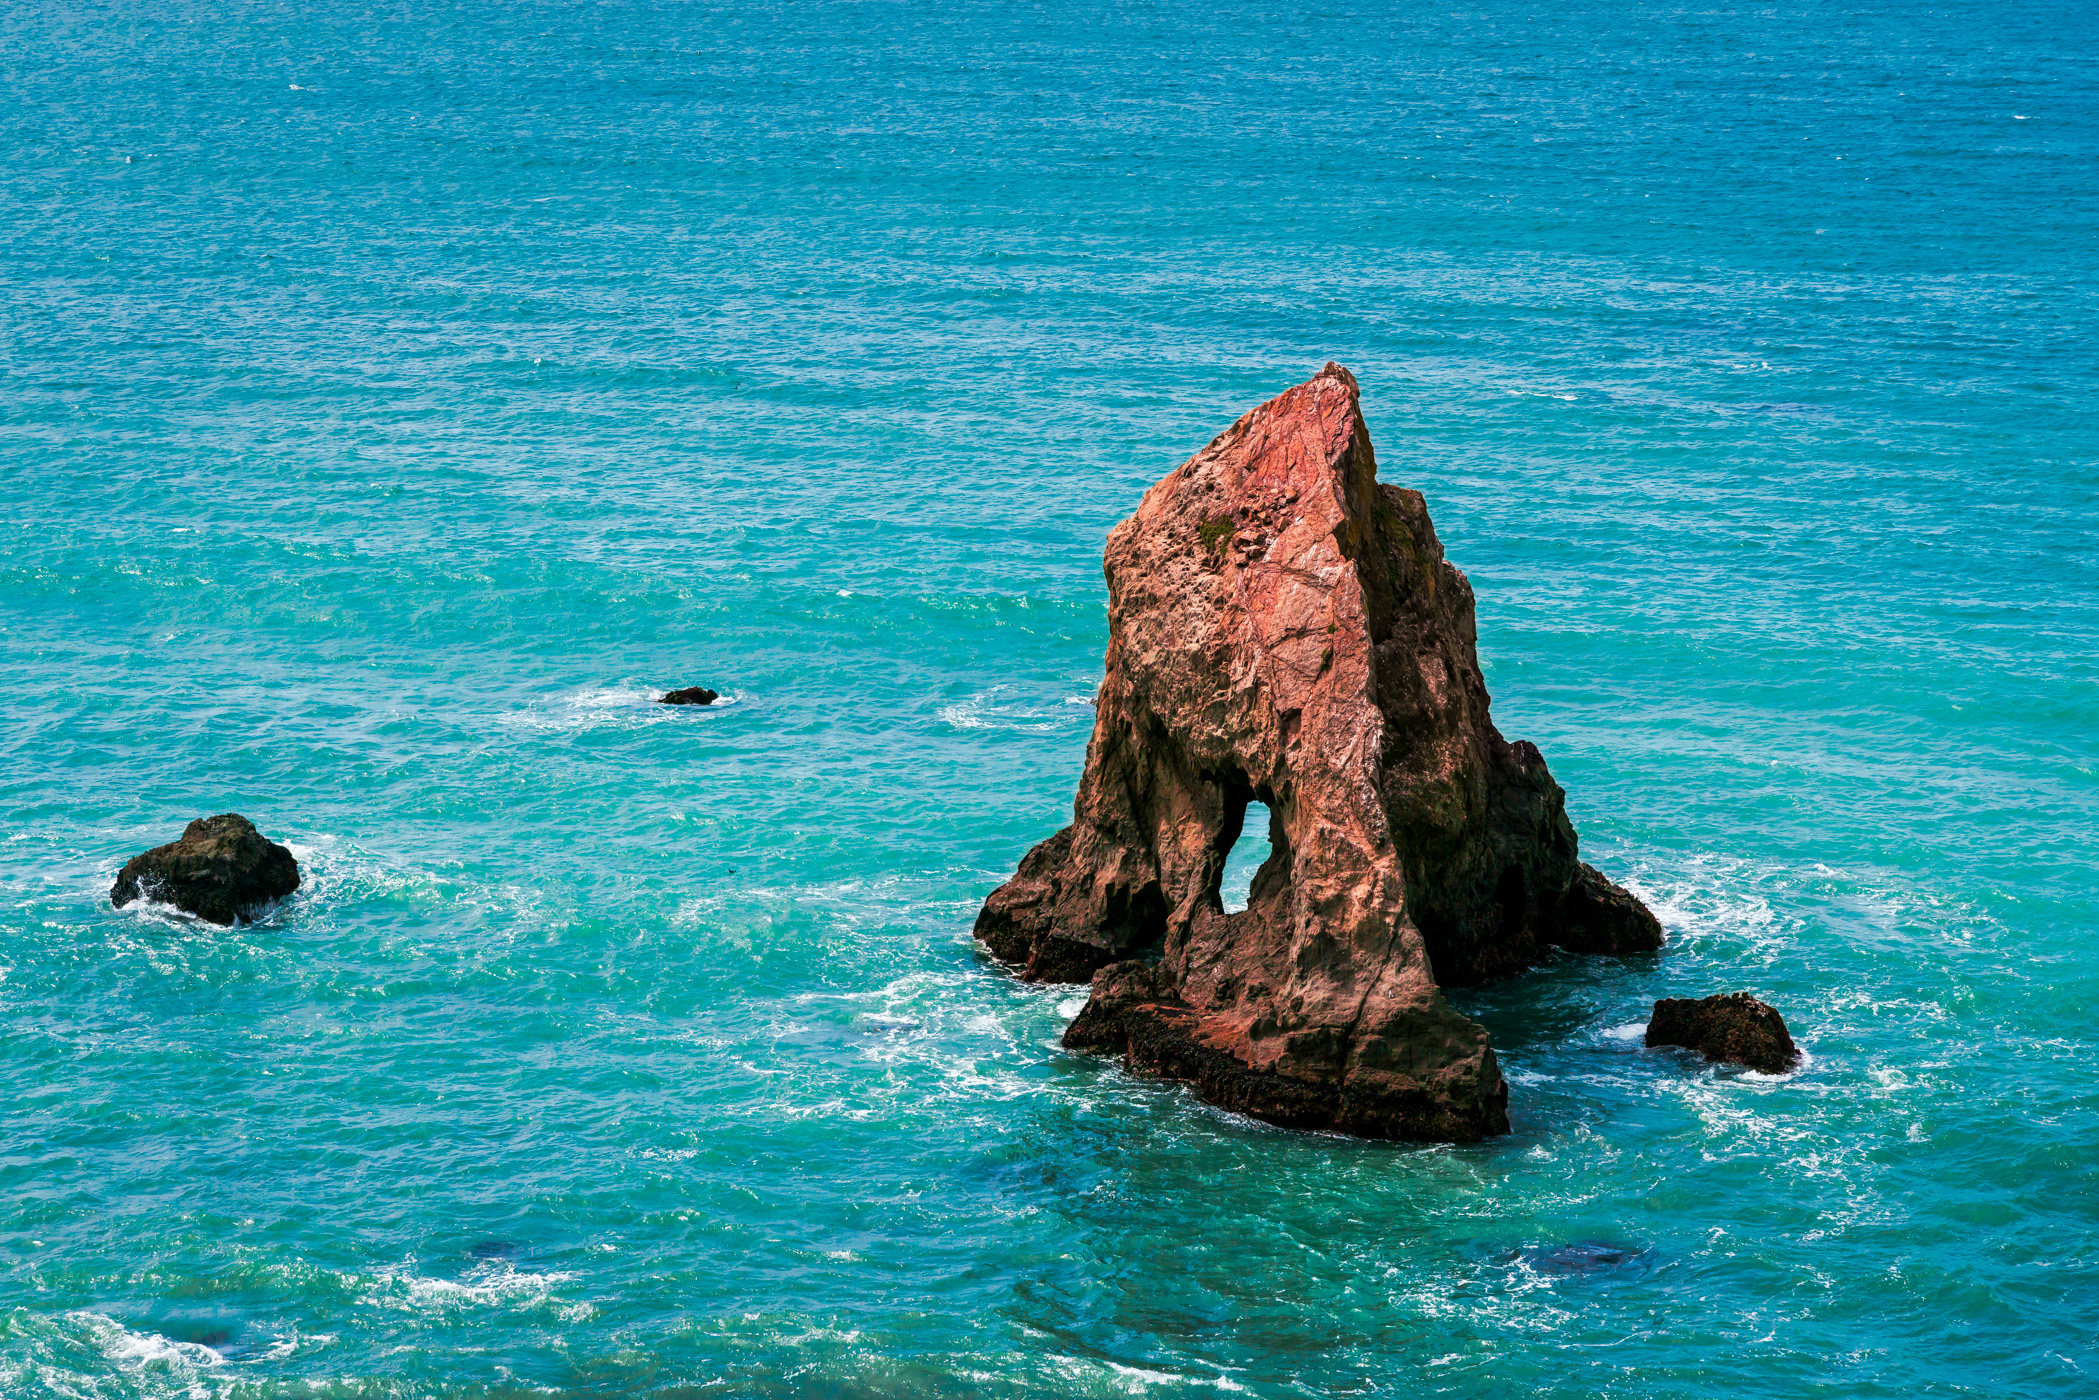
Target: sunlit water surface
[(397, 397)]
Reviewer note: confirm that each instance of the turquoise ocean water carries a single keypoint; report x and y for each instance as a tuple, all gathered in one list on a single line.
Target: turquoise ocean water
[(396, 396)]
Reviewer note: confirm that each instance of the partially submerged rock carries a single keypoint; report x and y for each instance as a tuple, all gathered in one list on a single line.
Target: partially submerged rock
[(1283, 627), (221, 869), (1732, 1026), (691, 695)]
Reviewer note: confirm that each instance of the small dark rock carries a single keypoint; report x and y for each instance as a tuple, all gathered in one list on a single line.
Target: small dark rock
[(221, 869), (1733, 1026), (691, 695)]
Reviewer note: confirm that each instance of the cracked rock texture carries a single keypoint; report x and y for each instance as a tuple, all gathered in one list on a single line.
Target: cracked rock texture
[(1732, 1026), (1283, 627), (221, 869)]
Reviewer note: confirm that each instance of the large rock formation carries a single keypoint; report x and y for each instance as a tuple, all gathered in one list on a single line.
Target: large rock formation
[(221, 869), (1732, 1026), (1283, 627)]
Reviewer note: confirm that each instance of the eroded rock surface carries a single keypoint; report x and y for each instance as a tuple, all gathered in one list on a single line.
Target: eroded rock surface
[(1284, 627), (220, 870), (1732, 1026), (690, 695)]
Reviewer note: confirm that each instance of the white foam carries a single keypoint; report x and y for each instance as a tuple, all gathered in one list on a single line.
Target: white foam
[(1136, 1380), (285, 1347), (950, 1046), (148, 908), (491, 1283), (1800, 1066), (984, 711), (596, 707), (137, 1349), (152, 1360), (335, 872)]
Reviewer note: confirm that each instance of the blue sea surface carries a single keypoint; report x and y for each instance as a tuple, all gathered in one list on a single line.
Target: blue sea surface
[(397, 397)]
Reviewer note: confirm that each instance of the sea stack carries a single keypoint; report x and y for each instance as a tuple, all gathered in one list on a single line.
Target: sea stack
[(1284, 628), (221, 870), (1732, 1026)]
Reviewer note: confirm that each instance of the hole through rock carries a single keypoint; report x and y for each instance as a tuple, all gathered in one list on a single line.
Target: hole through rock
[(1247, 854)]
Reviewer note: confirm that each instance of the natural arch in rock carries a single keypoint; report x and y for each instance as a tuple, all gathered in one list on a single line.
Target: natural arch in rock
[(1245, 856), (1284, 628)]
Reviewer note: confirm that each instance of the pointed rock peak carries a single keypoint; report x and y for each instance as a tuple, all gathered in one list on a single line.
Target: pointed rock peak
[(1283, 627)]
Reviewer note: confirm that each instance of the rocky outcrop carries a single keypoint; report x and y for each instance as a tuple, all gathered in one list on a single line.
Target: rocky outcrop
[(1732, 1026), (691, 695), (1283, 627), (221, 870)]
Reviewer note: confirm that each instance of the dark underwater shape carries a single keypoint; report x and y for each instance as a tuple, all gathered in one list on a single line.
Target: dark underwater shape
[(1587, 1257), (1283, 628), (196, 1324), (220, 869)]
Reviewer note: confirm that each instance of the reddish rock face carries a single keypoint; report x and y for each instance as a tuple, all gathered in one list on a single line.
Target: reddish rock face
[(1283, 627)]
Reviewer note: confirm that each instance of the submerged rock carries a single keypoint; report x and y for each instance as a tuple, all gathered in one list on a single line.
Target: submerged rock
[(1587, 1257), (221, 869), (1283, 627), (1732, 1026), (691, 695)]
